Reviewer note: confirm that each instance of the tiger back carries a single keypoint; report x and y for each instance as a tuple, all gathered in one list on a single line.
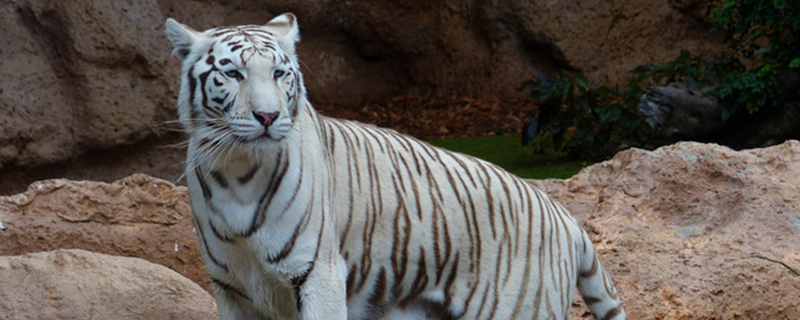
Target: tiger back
[(302, 216)]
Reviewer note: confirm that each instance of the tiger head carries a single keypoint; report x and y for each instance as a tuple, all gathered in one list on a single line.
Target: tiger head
[(240, 85)]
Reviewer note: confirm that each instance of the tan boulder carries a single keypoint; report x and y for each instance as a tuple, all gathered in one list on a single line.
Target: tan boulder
[(78, 284), (139, 216), (688, 231), (695, 231)]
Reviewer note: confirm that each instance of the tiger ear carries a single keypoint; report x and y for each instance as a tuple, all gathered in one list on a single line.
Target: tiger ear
[(182, 38), (285, 27)]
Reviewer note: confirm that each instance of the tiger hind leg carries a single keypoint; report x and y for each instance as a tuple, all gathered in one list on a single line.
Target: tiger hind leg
[(595, 286)]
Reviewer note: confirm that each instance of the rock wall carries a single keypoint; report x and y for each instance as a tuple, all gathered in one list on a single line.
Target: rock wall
[(85, 80), (80, 75), (689, 231)]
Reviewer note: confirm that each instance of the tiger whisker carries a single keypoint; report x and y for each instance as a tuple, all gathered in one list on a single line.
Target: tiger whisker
[(202, 155)]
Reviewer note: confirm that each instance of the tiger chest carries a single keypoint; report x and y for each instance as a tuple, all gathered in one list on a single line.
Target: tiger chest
[(244, 227)]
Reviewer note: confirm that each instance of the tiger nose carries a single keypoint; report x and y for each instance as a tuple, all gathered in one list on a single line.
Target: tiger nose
[(265, 118)]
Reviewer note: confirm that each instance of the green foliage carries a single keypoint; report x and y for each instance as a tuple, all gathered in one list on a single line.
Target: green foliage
[(583, 120), (765, 29), (587, 121), (763, 39)]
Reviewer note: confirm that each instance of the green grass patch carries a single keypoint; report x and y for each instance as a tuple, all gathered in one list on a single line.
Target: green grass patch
[(507, 152)]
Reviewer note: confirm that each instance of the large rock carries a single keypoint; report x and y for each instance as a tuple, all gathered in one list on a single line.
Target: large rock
[(80, 75), (138, 216), (681, 111), (695, 231), (78, 284), (84, 75), (689, 231)]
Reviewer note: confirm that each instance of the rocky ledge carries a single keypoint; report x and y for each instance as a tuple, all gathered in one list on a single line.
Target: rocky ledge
[(688, 231)]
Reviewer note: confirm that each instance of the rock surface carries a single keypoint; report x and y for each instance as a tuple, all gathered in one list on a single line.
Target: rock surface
[(681, 111), (695, 231), (78, 284), (93, 78), (80, 75), (138, 216), (689, 231)]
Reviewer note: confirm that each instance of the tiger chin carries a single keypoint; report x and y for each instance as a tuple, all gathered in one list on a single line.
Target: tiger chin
[(301, 216)]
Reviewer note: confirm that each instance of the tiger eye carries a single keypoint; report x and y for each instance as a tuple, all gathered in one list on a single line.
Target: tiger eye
[(234, 74)]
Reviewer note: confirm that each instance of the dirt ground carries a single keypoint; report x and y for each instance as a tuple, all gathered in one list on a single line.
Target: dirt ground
[(428, 119)]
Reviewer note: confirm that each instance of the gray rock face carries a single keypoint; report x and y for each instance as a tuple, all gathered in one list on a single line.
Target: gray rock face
[(80, 75), (92, 80), (77, 284)]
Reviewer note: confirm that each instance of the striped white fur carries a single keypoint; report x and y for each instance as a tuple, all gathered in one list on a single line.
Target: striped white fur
[(301, 216)]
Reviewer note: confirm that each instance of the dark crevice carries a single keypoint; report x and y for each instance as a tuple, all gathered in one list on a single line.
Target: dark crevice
[(157, 155)]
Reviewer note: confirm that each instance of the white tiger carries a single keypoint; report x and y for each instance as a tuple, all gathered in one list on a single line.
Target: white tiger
[(301, 216)]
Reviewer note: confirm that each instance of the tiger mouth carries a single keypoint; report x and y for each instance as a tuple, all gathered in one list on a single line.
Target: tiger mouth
[(274, 131), (264, 137)]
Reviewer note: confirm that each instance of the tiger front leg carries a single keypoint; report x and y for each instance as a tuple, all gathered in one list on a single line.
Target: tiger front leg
[(323, 294)]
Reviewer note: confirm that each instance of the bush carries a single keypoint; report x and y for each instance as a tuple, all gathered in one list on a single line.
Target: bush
[(587, 122), (763, 38)]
